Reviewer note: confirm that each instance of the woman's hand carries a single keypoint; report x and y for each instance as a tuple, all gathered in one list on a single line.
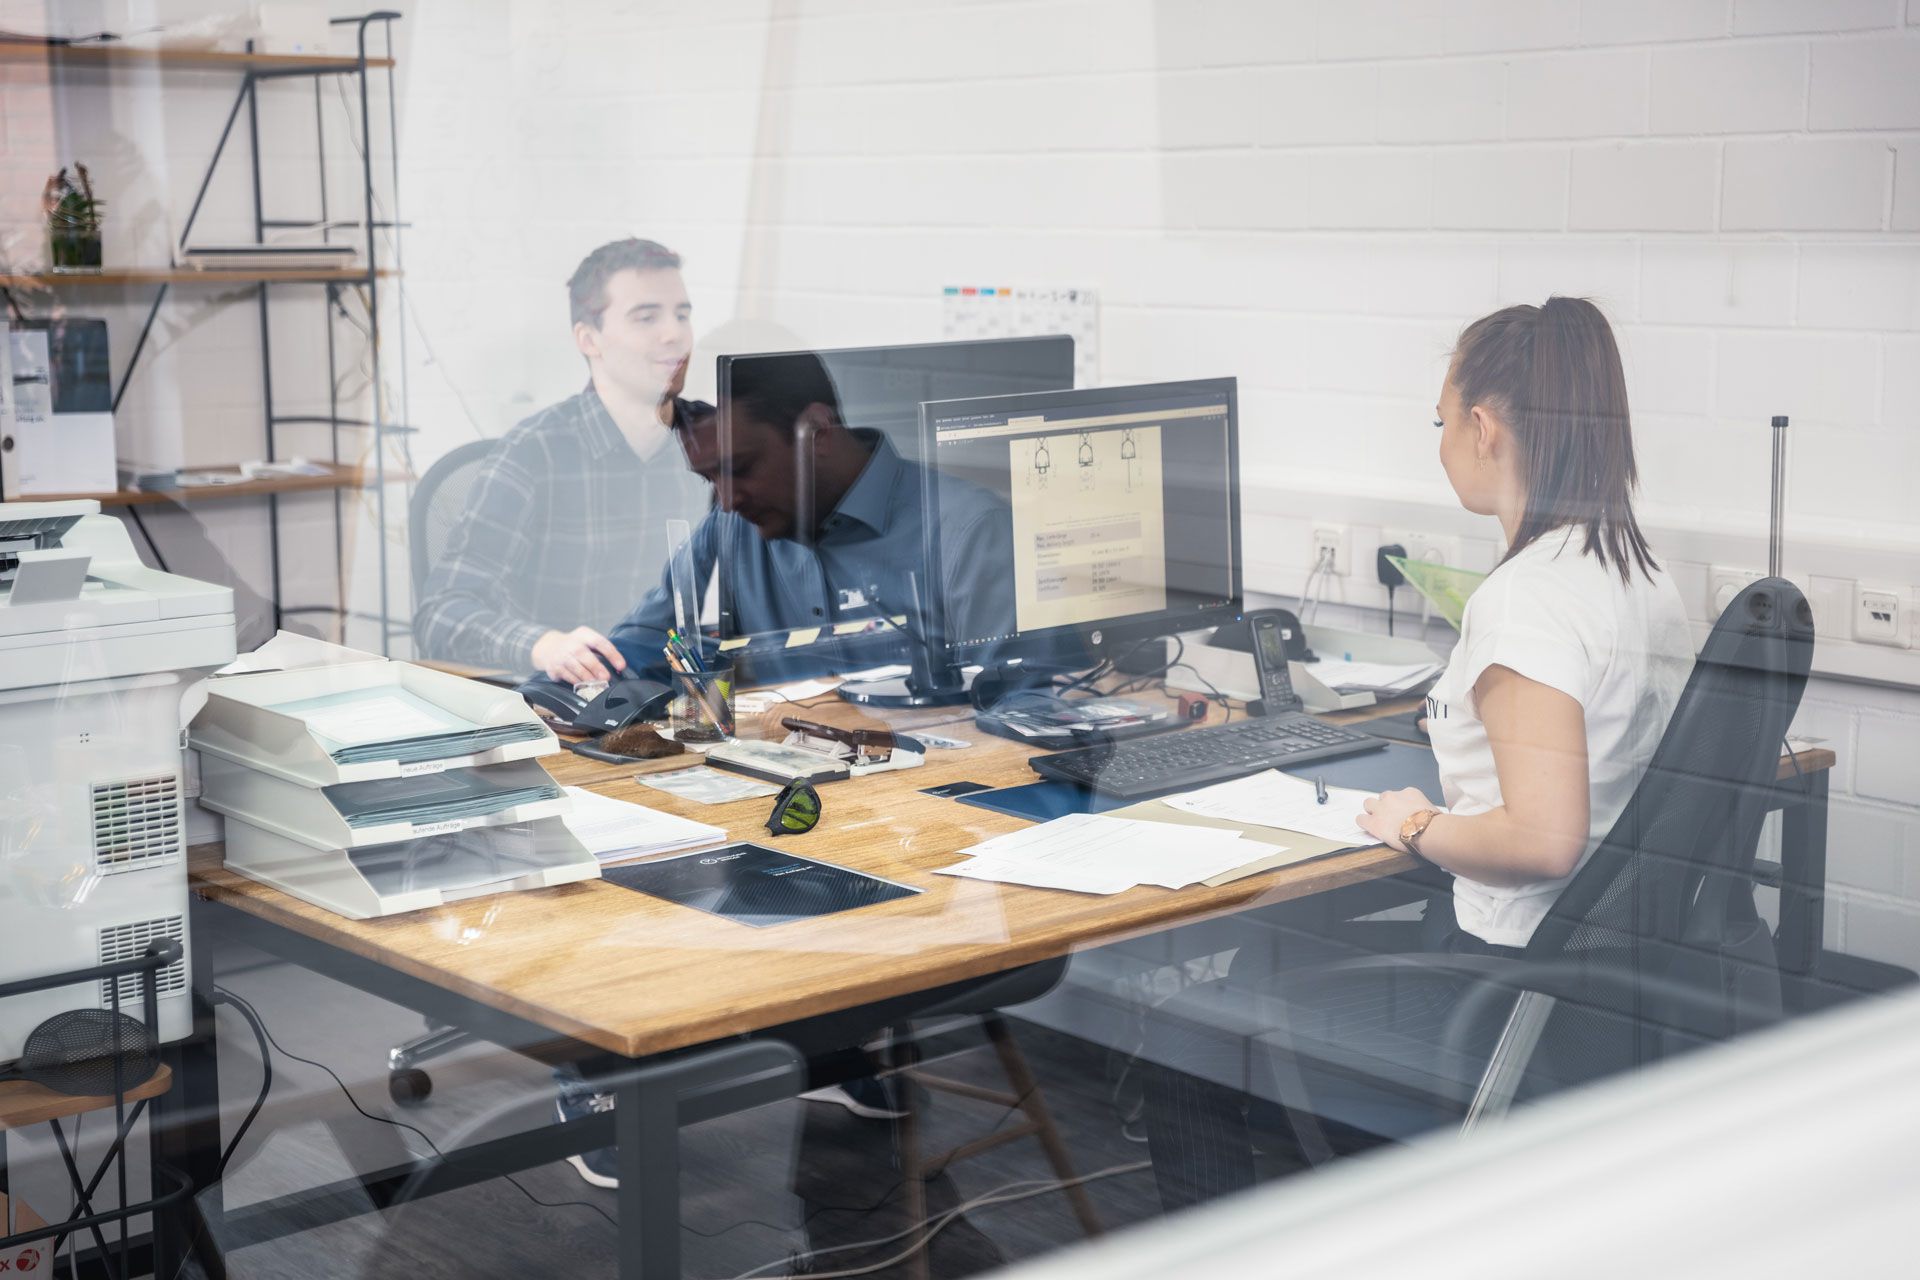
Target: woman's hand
[(1388, 811)]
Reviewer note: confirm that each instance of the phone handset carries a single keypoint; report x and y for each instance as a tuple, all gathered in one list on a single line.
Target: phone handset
[(1271, 637)]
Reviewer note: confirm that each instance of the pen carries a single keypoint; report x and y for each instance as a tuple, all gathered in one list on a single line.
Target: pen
[(1319, 790)]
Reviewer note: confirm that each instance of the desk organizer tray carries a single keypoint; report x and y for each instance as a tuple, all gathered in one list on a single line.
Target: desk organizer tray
[(347, 716), (354, 815), (410, 875)]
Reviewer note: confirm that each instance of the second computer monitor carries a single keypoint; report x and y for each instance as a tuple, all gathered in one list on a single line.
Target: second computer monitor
[(1124, 513)]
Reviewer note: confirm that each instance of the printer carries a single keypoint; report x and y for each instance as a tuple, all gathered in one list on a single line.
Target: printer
[(101, 663)]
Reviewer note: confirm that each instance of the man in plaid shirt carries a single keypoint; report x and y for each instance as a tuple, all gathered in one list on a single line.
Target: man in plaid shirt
[(566, 524)]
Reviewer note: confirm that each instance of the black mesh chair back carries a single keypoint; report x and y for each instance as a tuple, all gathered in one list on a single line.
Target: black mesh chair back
[(1659, 924), (439, 500)]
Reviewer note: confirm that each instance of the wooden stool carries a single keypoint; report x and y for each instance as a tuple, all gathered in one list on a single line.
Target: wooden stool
[(1025, 1095)]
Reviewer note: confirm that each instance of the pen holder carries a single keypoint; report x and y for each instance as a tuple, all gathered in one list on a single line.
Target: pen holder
[(702, 707)]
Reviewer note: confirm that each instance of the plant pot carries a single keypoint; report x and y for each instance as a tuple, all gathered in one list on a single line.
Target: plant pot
[(74, 250)]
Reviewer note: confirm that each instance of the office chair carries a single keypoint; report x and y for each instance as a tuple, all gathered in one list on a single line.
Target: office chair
[(985, 1001), (439, 500), (1652, 949)]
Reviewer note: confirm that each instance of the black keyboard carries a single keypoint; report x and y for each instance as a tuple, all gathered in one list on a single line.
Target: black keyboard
[(1192, 758)]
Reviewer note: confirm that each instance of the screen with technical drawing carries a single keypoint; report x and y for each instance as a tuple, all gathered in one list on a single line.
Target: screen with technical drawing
[(1121, 500)]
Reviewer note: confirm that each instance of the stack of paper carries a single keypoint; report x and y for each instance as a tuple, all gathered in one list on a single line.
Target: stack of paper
[(1373, 677), (616, 830), (1093, 853), (1272, 799), (433, 797), (390, 723)]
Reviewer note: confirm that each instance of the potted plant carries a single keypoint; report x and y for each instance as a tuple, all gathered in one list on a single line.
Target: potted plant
[(73, 221)]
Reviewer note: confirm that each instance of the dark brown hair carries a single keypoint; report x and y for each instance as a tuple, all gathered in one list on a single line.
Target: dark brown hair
[(587, 290), (1552, 374)]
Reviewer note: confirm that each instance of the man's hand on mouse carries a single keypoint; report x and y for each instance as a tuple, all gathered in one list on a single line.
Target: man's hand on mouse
[(575, 656)]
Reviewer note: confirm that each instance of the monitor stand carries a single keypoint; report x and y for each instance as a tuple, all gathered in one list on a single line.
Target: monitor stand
[(911, 690)]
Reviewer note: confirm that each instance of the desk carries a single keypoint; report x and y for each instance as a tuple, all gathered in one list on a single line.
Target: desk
[(508, 968)]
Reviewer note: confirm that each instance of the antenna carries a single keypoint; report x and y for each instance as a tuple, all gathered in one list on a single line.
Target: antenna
[(1778, 516)]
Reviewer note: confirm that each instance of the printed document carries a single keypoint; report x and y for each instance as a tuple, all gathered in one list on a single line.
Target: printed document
[(1092, 853), (1273, 799)]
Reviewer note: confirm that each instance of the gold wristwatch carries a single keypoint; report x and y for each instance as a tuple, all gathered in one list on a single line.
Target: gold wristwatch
[(1416, 826)]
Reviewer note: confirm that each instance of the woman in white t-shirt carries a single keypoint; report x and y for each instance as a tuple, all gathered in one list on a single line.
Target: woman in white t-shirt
[(1572, 654), (1571, 657)]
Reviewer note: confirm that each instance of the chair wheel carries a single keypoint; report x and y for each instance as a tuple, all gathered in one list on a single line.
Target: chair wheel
[(409, 1088)]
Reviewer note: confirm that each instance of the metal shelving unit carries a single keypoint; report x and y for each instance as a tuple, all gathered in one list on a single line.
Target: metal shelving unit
[(388, 421)]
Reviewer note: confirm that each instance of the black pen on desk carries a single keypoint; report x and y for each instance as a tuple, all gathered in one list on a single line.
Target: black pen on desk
[(1319, 790)]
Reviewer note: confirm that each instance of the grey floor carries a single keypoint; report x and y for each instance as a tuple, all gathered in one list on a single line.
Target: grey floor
[(759, 1189)]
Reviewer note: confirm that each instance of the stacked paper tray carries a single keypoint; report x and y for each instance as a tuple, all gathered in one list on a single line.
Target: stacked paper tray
[(357, 815), (411, 875), (362, 717)]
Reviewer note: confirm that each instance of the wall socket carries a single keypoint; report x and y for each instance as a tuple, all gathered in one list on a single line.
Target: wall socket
[(1430, 547), (1337, 539), (1880, 616), (1723, 584)]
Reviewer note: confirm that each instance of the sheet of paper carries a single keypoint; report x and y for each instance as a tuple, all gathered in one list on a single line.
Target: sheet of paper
[(1272, 799), (1338, 674), (738, 642), (1092, 853), (804, 636), (382, 717), (613, 830), (887, 672), (707, 785)]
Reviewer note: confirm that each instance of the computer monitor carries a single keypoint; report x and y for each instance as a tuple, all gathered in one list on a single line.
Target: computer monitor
[(882, 388), (1124, 504)]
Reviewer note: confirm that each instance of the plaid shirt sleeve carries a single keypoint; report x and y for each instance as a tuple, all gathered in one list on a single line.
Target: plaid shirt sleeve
[(466, 613)]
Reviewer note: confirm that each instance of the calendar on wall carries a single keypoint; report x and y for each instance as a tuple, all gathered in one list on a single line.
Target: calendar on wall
[(994, 311)]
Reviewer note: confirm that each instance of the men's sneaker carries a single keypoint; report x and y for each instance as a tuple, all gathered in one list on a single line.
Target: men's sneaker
[(869, 1098), (600, 1168)]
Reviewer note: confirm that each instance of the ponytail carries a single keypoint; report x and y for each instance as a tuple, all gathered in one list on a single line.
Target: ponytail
[(1552, 373)]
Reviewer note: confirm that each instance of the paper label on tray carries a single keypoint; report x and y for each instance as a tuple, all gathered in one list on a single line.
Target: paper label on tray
[(444, 828), (418, 767)]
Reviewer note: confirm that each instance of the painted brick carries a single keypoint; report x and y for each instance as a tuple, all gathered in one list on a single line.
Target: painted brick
[(1441, 101), (1211, 33), (1378, 29), (1780, 17), (1906, 185), (1298, 106), (1500, 188), (1866, 847), (1855, 472), (1237, 191), (1830, 719), (1805, 185), (1817, 379), (1598, 94), (1646, 186), (1669, 371), (1372, 189), (1729, 88), (1444, 279), (1495, 26), (1889, 764), (1885, 931), (1900, 392), (1717, 284), (1205, 109), (1607, 271), (1637, 21), (1859, 287), (1866, 84)]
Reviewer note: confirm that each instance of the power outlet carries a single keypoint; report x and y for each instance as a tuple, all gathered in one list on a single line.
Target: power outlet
[(1723, 584), (1429, 547), (1334, 540), (1879, 617)]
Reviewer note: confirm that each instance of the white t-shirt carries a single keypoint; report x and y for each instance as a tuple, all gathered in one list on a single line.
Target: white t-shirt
[(1622, 650)]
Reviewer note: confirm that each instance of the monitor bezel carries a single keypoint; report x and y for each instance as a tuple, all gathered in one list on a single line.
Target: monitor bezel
[(1096, 639)]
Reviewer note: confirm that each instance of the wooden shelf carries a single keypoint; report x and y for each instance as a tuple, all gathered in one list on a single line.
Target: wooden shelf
[(337, 477), (123, 276), (205, 59)]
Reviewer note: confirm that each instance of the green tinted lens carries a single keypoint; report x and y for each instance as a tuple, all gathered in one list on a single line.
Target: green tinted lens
[(796, 811)]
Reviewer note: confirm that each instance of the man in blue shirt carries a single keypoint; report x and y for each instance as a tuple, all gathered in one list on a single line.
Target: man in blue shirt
[(819, 524)]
